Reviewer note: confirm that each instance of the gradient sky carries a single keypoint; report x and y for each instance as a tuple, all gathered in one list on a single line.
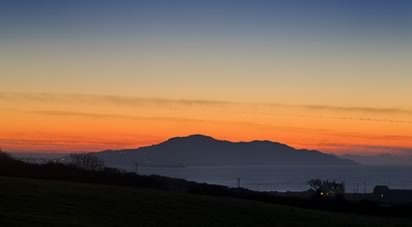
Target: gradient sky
[(92, 74)]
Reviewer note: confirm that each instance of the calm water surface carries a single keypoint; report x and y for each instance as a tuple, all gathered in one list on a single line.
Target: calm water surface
[(290, 178)]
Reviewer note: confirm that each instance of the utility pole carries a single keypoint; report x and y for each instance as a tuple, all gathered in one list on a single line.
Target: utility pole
[(135, 166)]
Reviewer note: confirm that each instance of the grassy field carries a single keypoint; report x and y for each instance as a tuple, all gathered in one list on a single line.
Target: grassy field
[(27, 202)]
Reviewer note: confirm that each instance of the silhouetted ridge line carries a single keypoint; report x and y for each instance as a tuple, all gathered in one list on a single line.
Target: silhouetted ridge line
[(197, 150)]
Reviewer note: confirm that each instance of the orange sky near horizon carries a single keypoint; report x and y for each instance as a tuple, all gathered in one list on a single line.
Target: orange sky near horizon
[(71, 122), (355, 102)]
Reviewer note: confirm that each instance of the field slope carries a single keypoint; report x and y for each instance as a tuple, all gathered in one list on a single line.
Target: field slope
[(28, 202)]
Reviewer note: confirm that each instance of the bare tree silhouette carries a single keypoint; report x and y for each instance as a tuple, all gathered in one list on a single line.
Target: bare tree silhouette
[(87, 161)]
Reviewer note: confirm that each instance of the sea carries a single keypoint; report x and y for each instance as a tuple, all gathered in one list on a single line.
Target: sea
[(357, 179)]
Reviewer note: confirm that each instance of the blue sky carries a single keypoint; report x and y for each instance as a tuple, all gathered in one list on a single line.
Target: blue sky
[(370, 17)]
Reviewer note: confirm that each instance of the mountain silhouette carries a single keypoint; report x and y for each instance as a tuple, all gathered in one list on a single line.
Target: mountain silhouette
[(200, 150)]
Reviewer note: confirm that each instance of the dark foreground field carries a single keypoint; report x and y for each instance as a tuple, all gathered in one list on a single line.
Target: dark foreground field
[(28, 202)]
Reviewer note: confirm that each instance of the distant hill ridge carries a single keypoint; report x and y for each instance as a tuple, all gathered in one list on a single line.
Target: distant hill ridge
[(201, 150)]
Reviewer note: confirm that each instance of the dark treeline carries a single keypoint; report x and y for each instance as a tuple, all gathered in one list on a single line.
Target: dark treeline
[(67, 172)]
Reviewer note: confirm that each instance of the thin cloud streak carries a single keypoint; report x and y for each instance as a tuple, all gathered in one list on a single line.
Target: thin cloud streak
[(99, 99), (138, 101), (192, 120), (118, 116), (359, 109), (376, 120), (371, 136)]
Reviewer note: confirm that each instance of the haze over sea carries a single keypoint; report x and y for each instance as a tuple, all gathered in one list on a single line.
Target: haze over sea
[(289, 178)]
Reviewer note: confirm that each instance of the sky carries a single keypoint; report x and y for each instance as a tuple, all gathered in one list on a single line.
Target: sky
[(96, 74)]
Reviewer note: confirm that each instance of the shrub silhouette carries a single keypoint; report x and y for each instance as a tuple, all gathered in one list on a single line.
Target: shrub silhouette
[(5, 156)]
